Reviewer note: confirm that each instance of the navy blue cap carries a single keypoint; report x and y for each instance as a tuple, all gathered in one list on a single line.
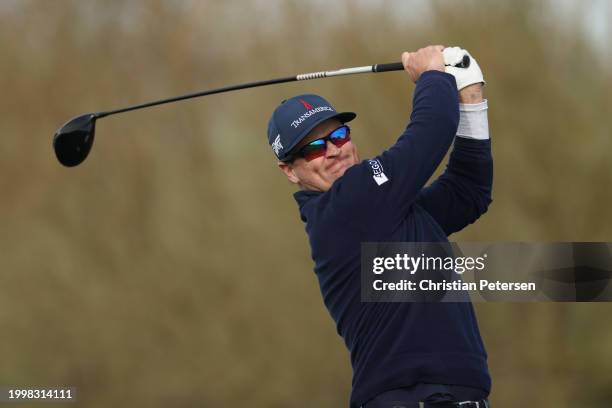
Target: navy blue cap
[(294, 118)]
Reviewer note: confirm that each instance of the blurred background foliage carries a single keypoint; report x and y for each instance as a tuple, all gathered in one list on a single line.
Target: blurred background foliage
[(171, 268)]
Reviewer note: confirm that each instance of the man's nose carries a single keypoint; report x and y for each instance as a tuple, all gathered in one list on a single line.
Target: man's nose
[(332, 150)]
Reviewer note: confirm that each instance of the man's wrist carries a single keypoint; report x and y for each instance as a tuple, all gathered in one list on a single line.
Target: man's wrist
[(471, 94)]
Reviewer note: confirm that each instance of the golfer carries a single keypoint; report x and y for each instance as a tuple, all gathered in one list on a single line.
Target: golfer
[(402, 354)]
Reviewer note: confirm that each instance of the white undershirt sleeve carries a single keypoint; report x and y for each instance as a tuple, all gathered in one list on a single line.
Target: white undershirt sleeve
[(473, 121)]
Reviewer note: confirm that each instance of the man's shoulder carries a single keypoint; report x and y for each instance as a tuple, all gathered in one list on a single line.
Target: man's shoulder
[(304, 196)]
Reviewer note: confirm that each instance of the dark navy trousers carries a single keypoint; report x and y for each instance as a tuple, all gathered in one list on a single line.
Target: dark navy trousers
[(428, 393)]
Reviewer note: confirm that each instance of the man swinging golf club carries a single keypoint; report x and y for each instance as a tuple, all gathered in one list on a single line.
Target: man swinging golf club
[(402, 354)]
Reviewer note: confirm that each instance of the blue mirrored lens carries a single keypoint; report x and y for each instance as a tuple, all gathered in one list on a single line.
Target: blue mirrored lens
[(317, 142), (339, 133)]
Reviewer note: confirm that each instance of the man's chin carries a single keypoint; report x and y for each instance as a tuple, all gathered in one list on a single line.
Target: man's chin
[(335, 172)]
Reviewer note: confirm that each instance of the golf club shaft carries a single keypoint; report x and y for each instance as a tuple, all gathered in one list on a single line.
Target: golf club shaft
[(396, 66)]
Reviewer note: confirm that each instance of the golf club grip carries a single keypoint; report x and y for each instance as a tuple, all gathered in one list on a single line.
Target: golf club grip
[(394, 66), (398, 66)]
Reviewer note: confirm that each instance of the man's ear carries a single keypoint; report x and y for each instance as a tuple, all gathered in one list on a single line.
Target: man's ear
[(287, 168)]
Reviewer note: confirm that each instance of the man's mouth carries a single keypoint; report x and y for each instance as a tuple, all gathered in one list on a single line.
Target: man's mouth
[(335, 166)]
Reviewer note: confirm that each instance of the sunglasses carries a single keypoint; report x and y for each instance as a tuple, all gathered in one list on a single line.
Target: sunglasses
[(318, 147)]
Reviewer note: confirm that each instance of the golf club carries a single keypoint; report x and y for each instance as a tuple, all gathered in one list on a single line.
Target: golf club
[(72, 142)]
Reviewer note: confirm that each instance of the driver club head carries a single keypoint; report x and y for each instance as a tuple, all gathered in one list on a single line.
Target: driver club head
[(72, 142)]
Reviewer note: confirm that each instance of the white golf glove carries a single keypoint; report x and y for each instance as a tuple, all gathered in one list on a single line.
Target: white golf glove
[(463, 76)]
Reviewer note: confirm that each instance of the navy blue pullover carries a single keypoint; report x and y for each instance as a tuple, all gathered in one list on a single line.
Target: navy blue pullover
[(395, 345)]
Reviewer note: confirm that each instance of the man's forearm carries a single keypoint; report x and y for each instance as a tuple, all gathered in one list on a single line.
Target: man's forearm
[(473, 121)]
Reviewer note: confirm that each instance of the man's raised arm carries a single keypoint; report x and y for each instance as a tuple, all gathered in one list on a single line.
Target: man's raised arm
[(463, 192)]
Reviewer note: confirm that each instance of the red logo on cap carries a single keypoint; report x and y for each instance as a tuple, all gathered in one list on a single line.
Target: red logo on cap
[(306, 104)]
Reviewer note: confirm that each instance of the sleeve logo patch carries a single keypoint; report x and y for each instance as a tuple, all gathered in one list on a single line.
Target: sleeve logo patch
[(378, 173)]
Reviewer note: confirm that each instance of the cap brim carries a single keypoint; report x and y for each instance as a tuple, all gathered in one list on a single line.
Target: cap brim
[(342, 117), (345, 116)]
